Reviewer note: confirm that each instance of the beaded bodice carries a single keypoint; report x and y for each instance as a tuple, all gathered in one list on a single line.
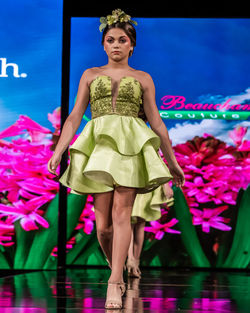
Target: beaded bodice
[(123, 98)]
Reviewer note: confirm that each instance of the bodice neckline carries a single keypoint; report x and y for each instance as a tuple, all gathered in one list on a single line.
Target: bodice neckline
[(118, 81), (122, 97)]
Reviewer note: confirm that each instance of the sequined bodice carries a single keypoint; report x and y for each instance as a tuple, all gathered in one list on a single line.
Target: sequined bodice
[(123, 98)]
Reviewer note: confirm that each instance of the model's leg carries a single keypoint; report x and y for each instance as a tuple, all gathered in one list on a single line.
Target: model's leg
[(138, 237), (134, 255), (121, 214), (131, 245), (103, 213)]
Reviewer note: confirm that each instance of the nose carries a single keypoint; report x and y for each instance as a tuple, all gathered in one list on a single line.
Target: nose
[(116, 44)]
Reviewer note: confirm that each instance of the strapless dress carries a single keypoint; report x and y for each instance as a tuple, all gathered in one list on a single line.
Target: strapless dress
[(116, 147), (148, 205)]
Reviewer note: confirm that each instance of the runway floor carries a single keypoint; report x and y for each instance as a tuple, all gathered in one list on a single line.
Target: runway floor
[(158, 291)]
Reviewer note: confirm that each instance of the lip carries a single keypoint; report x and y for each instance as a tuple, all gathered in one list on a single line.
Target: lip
[(116, 52)]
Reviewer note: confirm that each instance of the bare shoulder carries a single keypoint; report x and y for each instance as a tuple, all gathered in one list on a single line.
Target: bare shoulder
[(89, 74), (145, 79)]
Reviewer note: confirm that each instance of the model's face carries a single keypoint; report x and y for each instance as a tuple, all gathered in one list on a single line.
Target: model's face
[(117, 44)]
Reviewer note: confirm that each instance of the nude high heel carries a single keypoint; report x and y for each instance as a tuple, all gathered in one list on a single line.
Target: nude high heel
[(123, 286), (113, 303), (133, 268)]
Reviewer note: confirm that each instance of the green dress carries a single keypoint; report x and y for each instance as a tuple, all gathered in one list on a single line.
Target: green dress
[(148, 205), (116, 147)]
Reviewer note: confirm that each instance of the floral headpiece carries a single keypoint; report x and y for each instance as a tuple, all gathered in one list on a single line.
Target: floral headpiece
[(117, 16)]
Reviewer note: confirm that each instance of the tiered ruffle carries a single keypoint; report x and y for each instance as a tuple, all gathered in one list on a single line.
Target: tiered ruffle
[(148, 205), (114, 150)]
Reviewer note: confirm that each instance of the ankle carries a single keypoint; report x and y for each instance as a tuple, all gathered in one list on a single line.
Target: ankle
[(133, 260), (113, 282), (116, 281)]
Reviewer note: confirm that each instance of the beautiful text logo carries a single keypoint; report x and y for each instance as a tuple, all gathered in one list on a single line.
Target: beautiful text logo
[(179, 103), (12, 69)]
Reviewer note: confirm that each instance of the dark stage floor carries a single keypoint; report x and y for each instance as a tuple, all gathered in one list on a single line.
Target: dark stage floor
[(84, 290)]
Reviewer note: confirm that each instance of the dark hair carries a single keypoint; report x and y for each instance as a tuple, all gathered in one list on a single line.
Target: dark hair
[(127, 27)]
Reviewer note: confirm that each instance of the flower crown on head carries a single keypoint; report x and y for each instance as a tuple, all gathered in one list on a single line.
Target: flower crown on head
[(117, 16)]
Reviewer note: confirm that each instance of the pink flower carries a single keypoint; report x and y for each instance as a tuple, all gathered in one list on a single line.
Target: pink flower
[(159, 229), (69, 245), (24, 170), (221, 194), (6, 233), (201, 151), (209, 218), (216, 190), (40, 186), (211, 305), (195, 188), (36, 131), (191, 201), (87, 218), (55, 119), (9, 184), (244, 146), (237, 134), (25, 211)]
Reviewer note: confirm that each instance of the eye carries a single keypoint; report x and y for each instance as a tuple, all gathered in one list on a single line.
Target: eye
[(123, 40), (109, 40)]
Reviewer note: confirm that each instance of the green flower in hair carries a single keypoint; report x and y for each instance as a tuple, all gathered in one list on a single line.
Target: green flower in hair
[(117, 16)]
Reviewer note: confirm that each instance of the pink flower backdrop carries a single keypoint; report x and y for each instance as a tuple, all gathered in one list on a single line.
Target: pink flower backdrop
[(207, 225)]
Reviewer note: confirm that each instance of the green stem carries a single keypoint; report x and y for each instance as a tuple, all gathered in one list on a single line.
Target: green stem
[(188, 232)]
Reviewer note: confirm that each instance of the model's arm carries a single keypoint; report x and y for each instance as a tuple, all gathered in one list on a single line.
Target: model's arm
[(71, 124), (168, 191), (160, 129)]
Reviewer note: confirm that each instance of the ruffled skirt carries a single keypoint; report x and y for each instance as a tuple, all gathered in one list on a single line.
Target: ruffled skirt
[(148, 205), (114, 150)]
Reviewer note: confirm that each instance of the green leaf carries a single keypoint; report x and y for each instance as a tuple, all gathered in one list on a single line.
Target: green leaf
[(103, 20), (226, 239), (80, 246), (51, 263), (239, 255), (102, 26), (24, 240), (188, 233), (46, 239), (3, 262), (91, 247), (96, 258)]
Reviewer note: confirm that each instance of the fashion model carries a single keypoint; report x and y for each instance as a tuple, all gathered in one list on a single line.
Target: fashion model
[(147, 207), (115, 156)]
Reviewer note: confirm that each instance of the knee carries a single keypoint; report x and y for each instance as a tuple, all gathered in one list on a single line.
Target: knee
[(121, 215), (105, 232)]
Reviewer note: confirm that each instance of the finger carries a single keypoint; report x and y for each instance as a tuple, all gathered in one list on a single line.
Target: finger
[(179, 183), (52, 171), (52, 168)]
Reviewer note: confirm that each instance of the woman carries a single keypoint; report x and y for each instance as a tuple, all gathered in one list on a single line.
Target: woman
[(115, 157), (147, 207)]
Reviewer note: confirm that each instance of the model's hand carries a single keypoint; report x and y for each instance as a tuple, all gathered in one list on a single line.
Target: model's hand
[(178, 175), (53, 163), (168, 191)]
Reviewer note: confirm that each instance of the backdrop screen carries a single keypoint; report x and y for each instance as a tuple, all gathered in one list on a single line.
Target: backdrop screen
[(30, 90), (203, 95)]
